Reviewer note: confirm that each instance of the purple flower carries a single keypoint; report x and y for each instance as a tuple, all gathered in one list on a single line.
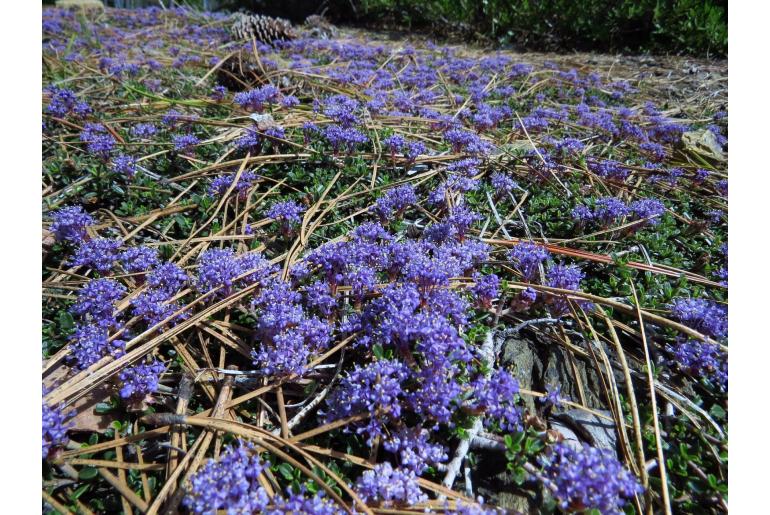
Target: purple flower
[(248, 140), (230, 483), (275, 132), (722, 187), (502, 184), (485, 289), (466, 141), (318, 297), (124, 165), (414, 449), (217, 267), (343, 138), (526, 259), (90, 343), (588, 478), (565, 277), (648, 208), (394, 144), (218, 92), (341, 109), (414, 149), (524, 300), (582, 213), (184, 142), (69, 223), (302, 504), (287, 213), (701, 359), (389, 487), (171, 118), (496, 396), (154, 306), (168, 278), (62, 101), (287, 352), (139, 259), (702, 315), (55, 428), (552, 397), (368, 389), (289, 101), (221, 184), (609, 209), (255, 99), (99, 141), (394, 202), (141, 380), (96, 300), (98, 254), (144, 130)]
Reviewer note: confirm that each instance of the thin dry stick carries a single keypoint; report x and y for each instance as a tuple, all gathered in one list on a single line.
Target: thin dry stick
[(654, 406), (641, 460), (183, 399)]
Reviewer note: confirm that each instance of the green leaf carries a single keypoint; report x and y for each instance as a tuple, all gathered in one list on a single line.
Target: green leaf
[(286, 471), (88, 473), (102, 408), (66, 321)]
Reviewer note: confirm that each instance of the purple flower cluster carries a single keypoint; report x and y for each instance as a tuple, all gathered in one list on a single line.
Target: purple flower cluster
[(300, 504), (486, 288), (64, 102), (389, 487), (144, 130), (565, 277), (95, 301), (249, 140), (99, 142), (609, 169), (184, 142), (256, 99), (462, 140), (414, 449), (341, 109), (222, 267), (702, 315), (221, 184), (141, 380), (55, 427), (701, 359), (609, 210), (230, 483), (90, 343), (648, 208), (69, 224), (588, 478), (502, 184), (376, 388), (287, 214), (496, 396), (124, 165), (98, 254), (343, 138), (139, 259), (394, 202), (526, 258)]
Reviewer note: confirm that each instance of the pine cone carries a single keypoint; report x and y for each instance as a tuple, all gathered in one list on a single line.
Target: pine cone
[(239, 72), (318, 26), (264, 28)]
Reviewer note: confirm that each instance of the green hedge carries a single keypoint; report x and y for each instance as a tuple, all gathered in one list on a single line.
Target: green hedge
[(662, 26)]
